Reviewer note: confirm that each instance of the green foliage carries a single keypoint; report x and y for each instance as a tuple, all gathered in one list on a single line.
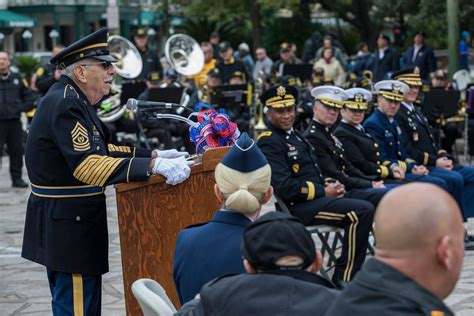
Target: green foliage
[(26, 65)]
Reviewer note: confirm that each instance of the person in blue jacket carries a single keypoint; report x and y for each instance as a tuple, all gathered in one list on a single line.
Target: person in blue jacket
[(206, 251)]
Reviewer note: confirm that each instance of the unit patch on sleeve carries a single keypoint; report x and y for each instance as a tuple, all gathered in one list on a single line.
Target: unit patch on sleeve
[(80, 139)]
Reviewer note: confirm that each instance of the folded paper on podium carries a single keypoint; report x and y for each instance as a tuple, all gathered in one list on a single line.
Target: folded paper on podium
[(150, 216)]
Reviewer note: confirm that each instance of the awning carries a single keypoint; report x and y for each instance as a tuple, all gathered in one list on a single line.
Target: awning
[(10, 19), (148, 18)]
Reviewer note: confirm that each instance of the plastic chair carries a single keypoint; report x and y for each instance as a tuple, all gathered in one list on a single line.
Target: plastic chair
[(152, 298)]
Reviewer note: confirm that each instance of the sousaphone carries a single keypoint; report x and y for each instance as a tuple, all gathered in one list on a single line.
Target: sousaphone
[(184, 54), (128, 66)]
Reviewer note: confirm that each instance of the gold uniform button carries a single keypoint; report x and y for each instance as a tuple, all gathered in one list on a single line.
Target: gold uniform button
[(294, 158), (377, 153), (378, 162), (400, 153), (78, 218), (376, 145), (379, 171)]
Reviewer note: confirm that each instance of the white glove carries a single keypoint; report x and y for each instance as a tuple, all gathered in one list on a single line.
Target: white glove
[(171, 153), (175, 170)]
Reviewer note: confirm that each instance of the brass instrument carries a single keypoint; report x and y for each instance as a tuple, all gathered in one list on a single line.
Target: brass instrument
[(259, 126), (129, 65), (184, 54)]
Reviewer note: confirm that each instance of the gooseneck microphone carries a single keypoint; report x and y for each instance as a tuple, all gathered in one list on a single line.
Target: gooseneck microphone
[(135, 105)]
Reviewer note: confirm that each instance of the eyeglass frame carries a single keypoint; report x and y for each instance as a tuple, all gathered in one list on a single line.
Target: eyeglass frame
[(105, 64)]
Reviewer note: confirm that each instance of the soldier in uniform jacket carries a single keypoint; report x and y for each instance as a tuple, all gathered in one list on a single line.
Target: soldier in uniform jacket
[(329, 150), (382, 125), (229, 65), (298, 180), (422, 146), (47, 75), (69, 162), (360, 147), (15, 98)]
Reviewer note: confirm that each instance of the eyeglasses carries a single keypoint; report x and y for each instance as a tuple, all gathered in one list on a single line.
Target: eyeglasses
[(105, 64)]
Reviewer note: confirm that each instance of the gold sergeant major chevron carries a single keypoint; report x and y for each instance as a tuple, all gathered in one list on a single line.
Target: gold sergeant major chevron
[(80, 138)]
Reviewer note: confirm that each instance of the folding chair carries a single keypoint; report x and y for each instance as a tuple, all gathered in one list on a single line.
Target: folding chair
[(323, 232)]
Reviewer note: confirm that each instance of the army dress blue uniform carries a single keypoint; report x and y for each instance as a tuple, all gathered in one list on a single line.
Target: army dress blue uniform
[(69, 163), (423, 147), (298, 180)]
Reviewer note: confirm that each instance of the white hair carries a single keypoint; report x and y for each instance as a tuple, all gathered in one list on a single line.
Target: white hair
[(243, 191)]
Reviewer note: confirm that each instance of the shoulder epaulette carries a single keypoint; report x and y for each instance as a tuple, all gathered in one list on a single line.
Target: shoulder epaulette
[(264, 134), (70, 92)]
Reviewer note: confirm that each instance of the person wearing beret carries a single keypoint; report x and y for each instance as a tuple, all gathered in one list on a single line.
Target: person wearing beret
[(70, 161), (385, 130), (298, 180), (423, 147), (281, 262), (206, 251), (420, 55), (330, 152), (360, 147)]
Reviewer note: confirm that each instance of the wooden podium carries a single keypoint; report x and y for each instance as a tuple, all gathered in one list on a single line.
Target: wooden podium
[(150, 216)]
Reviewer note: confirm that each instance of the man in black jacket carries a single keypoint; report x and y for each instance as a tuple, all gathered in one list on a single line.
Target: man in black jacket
[(385, 58), (298, 180), (418, 258), (15, 98), (149, 57), (281, 264), (420, 55)]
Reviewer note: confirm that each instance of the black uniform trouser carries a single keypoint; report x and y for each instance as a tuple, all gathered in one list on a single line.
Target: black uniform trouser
[(354, 216), (11, 133)]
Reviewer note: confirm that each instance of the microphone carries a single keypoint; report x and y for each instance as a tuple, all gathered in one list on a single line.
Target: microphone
[(135, 105)]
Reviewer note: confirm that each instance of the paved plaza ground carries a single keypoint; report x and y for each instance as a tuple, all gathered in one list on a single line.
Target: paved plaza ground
[(24, 287)]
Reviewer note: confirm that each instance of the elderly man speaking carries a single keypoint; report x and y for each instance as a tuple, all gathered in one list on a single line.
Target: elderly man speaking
[(69, 162)]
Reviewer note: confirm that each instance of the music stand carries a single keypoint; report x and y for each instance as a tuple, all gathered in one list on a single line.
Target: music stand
[(230, 96), (170, 95), (439, 102), (131, 89), (301, 71)]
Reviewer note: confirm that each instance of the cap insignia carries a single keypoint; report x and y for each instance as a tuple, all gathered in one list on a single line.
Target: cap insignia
[(281, 91)]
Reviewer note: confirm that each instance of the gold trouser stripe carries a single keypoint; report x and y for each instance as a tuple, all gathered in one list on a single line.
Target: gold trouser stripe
[(311, 191), (426, 157), (96, 169), (78, 295), (352, 246), (383, 171), (332, 214), (328, 217)]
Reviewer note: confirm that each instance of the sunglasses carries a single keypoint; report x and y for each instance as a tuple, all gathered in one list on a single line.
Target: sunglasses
[(105, 64)]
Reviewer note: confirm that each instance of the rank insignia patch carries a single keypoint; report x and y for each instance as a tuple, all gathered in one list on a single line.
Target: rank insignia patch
[(80, 139), (296, 168)]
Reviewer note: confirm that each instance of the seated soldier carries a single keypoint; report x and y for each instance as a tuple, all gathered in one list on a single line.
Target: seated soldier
[(281, 262), (423, 147), (205, 93), (330, 151), (360, 147), (206, 251), (297, 179), (417, 261), (384, 129)]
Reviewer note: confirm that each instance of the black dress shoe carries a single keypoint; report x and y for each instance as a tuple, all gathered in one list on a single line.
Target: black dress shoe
[(19, 183)]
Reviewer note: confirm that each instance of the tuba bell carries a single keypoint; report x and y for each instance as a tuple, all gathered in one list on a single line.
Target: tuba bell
[(184, 54), (128, 66)]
